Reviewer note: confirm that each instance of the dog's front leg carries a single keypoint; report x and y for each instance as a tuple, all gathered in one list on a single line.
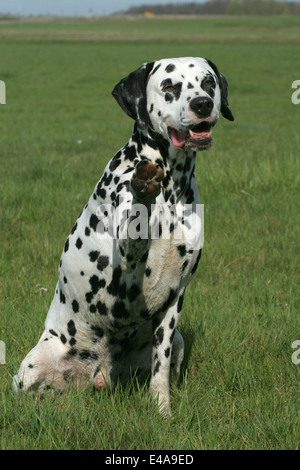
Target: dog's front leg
[(145, 185), (164, 338)]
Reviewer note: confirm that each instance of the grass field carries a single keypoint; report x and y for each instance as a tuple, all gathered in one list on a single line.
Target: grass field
[(239, 387)]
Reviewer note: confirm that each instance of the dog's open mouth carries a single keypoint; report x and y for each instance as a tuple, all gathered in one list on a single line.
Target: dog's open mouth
[(197, 138)]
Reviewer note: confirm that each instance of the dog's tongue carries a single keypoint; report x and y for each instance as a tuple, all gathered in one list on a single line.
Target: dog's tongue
[(179, 139)]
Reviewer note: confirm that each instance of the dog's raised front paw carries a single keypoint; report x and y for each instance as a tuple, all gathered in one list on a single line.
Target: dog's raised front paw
[(146, 181)]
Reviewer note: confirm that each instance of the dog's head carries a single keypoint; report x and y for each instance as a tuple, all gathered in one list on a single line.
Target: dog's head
[(178, 98)]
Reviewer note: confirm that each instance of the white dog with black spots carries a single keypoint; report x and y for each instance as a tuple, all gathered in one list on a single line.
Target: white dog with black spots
[(120, 291)]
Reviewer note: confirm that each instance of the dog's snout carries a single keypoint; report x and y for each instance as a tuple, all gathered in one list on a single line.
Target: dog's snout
[(202, 106)]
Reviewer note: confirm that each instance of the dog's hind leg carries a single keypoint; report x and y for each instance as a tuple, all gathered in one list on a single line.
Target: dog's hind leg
[(44, 366)]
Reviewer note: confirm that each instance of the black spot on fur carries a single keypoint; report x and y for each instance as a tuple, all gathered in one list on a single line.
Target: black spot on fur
[(66, 247), (99, 332), (74, 228), (172, 337), (72, 352), (148, 272), (93, 255), (170, 68), (78, 243), (75, 306), (62, 297), (158, 336), (182, 250), (53, 332), (114, 163), (113, 287), (84, 354), (71, 328), (119, 310), (102, 263), (155, 69), (94, 222), (63, 339), (196, 263), (133, 292), (128, 170), (101, 192), (180, 302), (107, 179), (170, 299), (130, 152), (157, 367), (101, 307), (96, 283)]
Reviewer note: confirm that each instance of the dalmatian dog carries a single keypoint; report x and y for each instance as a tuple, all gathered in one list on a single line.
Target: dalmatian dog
[(120, 290)]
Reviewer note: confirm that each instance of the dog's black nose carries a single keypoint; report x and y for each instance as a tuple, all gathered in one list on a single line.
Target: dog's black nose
[(202, 106)]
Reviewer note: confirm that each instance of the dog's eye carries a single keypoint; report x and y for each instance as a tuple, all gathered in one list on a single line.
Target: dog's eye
[(169, 88), (208, 83)]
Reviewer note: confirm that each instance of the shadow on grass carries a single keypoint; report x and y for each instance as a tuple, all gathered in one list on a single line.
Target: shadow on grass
[(190, 333)]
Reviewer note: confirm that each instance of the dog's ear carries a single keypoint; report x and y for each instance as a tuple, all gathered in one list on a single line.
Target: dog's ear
[(225, 110), (130, 94)]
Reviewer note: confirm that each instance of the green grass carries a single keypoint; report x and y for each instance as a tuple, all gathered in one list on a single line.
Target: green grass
[(239, 388)]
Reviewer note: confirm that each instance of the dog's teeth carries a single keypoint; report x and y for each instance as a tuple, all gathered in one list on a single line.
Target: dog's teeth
[(191, 133)]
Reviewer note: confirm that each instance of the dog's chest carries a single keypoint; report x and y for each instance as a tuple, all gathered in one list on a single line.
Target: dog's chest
[(93, 286)]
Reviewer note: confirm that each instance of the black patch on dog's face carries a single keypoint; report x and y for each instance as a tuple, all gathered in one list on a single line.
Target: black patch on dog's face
[(208, 84), (172, 91), (155, 70), (170, 68)]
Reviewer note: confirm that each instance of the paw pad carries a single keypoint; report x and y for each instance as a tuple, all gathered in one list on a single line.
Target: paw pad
[(146, 181)]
